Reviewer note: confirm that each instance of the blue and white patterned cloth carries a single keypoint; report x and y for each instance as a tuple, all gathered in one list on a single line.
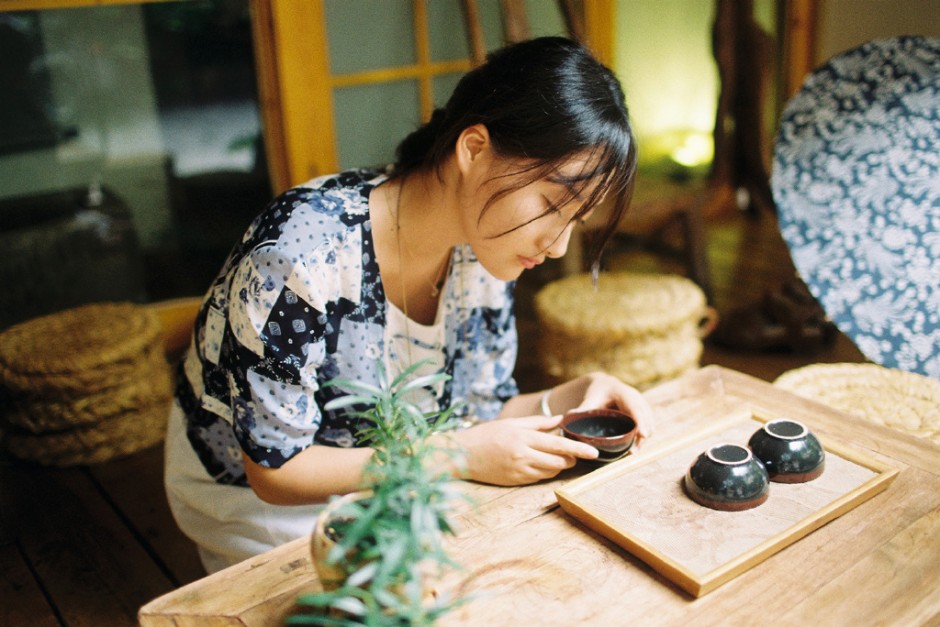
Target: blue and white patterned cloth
[(299, 302), (856, 179)]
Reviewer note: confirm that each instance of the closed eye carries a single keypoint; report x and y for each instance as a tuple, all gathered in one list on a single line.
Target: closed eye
[(551, 207)]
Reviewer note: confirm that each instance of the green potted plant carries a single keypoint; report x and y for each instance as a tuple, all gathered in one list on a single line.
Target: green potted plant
[(376, 550)]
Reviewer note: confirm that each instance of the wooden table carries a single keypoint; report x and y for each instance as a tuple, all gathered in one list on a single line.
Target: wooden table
[(531, 563)]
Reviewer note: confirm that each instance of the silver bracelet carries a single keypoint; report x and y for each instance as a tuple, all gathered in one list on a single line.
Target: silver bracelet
[(543, 403)]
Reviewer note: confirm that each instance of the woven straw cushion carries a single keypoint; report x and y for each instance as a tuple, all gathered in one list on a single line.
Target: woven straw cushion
[(642, 328), (886, 396), (153, 384), (84, 385), (77, 351), (107, 439)]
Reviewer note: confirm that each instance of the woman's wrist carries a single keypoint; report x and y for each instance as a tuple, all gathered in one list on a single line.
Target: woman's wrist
[(543, 404), (449, 454)]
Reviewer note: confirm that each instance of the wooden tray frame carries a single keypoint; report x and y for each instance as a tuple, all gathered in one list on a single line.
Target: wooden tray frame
[(698, 584)]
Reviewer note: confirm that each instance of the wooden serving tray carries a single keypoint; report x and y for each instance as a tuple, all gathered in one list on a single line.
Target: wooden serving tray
[(640, 504)]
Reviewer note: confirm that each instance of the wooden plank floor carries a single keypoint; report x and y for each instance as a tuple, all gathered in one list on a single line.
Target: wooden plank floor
[(90, 545)]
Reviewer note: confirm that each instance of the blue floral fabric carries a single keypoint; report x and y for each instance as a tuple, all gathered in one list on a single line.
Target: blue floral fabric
[(856, 178), (300, 301)]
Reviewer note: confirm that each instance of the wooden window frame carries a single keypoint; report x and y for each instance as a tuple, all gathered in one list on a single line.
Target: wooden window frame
[(295, 85), (296, 88)]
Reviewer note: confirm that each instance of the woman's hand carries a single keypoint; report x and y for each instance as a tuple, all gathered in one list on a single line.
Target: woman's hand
[(603, 390), (517, 451), (591, 391)]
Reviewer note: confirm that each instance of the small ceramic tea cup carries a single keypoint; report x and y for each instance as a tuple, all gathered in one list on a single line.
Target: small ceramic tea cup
[(727, 477), (789, 451), (610, 431)]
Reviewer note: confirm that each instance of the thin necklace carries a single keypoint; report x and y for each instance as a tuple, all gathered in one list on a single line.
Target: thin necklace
[(441, 273), (401, 265), (439, 282), (435, 289)]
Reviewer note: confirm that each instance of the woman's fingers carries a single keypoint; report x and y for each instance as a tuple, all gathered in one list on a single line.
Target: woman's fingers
[(516, 451), (536, 423), (561, 446), (607, 391)]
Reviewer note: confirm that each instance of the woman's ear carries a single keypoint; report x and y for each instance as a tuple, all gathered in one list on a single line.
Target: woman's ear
[(473, 147)]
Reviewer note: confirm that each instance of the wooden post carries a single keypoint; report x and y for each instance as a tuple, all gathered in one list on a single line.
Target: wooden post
[(471, 16), (515, 20)]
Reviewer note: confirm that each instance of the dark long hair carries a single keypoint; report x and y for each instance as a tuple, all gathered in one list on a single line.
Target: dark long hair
[(543, 101)]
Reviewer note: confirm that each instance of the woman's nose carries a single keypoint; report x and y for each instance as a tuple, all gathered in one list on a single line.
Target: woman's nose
[(558, 242)]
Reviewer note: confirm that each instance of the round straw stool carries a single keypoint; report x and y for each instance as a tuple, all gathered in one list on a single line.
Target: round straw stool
[(140, 428), (84, 385), (641, 328), (886, 396)]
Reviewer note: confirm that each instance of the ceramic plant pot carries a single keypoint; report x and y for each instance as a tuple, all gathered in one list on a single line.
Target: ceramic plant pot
[(727, 477), (323, 540), (789, 451), (610, 431)]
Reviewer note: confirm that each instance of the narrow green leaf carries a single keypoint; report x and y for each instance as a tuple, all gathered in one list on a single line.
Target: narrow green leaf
[(408, 372), (363, 575), (350, 605), (354, 384), (392, 558), (382, 374), (422, 382), (346, 401), (387, 598)]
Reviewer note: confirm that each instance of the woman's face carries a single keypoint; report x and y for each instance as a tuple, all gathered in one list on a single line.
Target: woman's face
[(519, 229)]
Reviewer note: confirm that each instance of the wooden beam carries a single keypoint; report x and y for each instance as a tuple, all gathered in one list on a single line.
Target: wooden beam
[(299, 41), (471, 16), (799, 49), (573, 13), (401, 73), (269, 95), (515, 20), (423, 55), (599, 29)]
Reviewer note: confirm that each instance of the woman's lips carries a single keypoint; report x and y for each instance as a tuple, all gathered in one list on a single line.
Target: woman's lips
[(529, 262)]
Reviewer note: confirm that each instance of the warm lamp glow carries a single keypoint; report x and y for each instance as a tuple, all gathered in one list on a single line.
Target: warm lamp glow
[(663, 55), (678, 152), (697, 149)]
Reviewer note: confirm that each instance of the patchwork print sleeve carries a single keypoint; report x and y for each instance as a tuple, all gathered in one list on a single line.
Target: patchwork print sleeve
[(276, 344)]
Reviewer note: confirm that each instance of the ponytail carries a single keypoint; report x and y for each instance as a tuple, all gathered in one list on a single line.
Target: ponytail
[(414, 152)]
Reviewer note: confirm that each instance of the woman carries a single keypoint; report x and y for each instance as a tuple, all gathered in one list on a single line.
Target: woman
[(415, 264)]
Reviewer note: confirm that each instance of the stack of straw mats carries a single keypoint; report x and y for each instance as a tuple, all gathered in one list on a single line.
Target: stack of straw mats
[(642, 328), (84, 385), (886, 396)]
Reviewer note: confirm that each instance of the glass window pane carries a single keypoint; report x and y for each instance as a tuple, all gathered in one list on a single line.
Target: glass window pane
[(490, 17), (369, 34), (372, 119), (447, 31), (545, 18), (145, 148), (443, 87)]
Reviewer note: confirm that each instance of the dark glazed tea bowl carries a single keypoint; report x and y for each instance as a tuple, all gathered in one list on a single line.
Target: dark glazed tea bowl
[(610, 431), (791, 453), (727, 477)]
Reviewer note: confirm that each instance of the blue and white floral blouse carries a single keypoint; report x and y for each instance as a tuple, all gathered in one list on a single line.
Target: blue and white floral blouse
[(300, 301)]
